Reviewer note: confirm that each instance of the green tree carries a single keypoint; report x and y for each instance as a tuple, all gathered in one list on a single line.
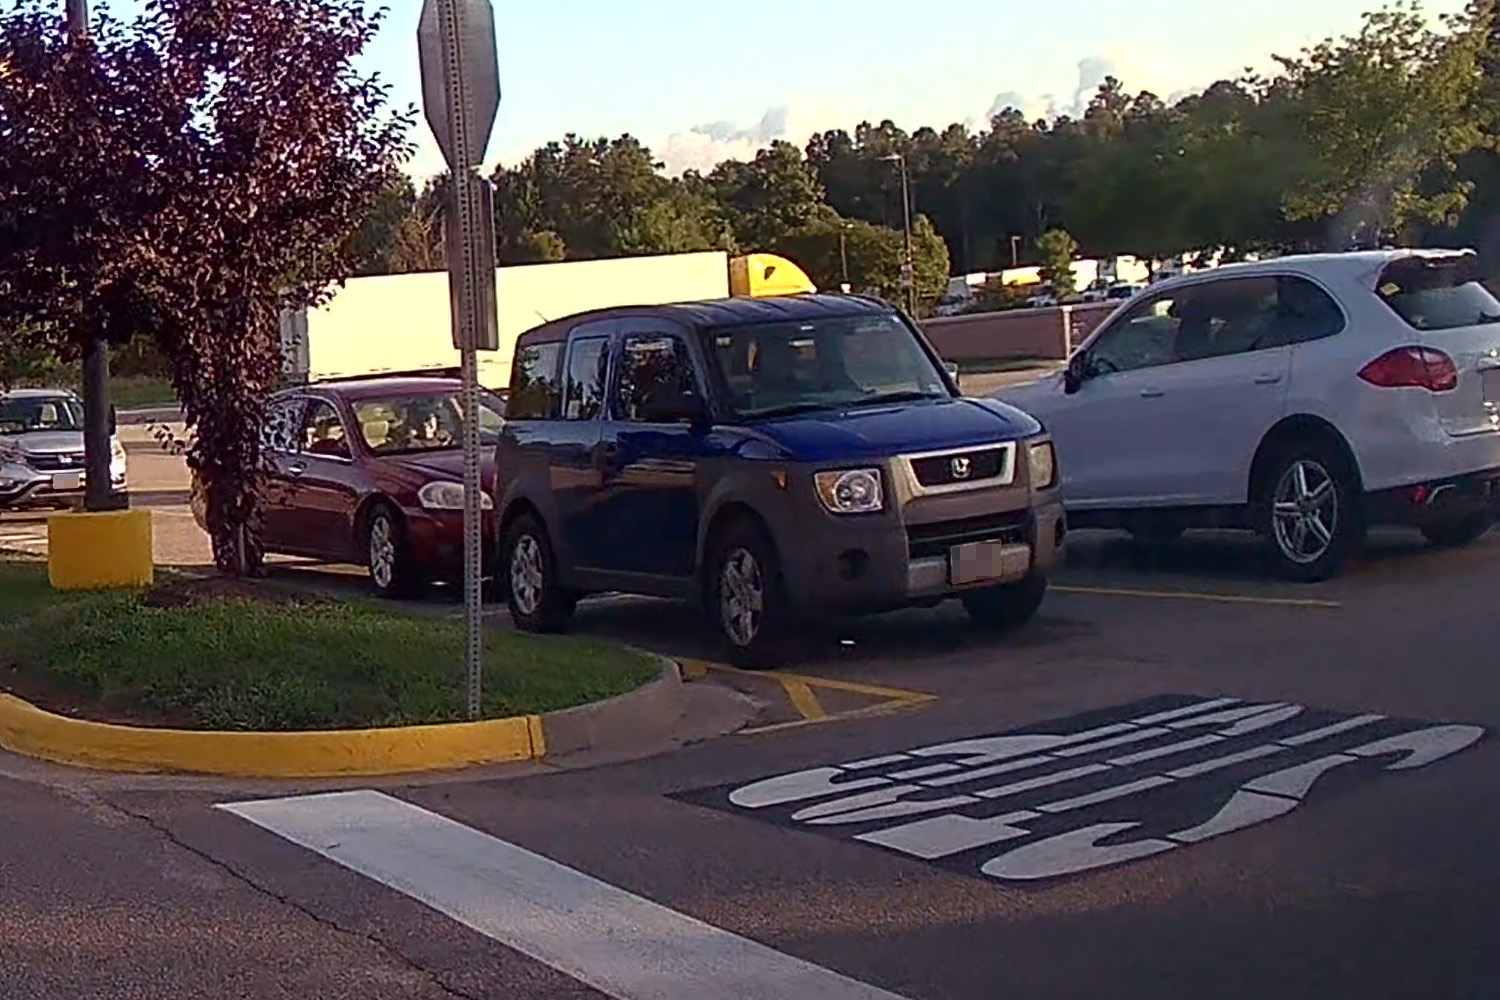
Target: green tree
[(202, 167), (1381, 119), (874, 254), (1057, 250), (597, 198), (774, 194)]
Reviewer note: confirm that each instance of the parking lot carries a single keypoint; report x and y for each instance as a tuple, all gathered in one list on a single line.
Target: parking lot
[(1246, 787)]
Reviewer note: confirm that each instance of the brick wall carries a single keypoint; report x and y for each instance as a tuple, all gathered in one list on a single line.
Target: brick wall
[(1016, 333)]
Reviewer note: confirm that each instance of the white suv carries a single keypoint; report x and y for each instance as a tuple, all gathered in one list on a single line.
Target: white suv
[(1303, 397)]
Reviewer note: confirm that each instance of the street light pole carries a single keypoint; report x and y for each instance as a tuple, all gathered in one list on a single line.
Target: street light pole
[(98, 491), (909, 273), (844, 254), (1015, 252)]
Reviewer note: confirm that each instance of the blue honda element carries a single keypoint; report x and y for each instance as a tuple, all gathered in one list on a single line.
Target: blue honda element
[(765, 456)]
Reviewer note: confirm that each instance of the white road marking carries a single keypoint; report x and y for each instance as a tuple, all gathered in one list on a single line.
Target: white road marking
[(621, 944), (1075, 850)]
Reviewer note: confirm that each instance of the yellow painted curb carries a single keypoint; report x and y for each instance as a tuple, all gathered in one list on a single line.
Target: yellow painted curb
[(28, 730)]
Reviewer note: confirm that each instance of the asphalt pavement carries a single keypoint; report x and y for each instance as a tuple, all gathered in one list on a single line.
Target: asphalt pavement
[(1181, 780)]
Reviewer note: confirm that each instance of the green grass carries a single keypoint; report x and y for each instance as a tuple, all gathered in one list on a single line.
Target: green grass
[(141, 390), (279, 664)]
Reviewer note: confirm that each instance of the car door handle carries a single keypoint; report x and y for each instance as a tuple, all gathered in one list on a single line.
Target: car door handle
[(296, 469), (1267, 379), (1152, 393)]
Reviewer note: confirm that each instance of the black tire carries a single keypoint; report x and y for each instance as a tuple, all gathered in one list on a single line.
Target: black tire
[(743, 570), (1458, 532), (1007, 607), (387, 553), (527, 574), (1301, 551)]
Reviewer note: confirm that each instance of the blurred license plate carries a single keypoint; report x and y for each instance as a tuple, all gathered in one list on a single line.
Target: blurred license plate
[(980, 561), (1491, 380), (67, 481)]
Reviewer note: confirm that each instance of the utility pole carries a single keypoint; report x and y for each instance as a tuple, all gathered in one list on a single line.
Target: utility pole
[(908, 268), (844, 253), (98, 490)]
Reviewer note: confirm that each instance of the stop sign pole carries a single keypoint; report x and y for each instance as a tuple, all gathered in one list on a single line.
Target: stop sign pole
[(460, 96)]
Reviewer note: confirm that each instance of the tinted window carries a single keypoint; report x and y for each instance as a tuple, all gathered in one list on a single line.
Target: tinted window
[(323, 432), (280, 432), (1305, 312), (1223, 318), (1142, 338), (588, 363), (1216, 319), (824, 363), (652, 366), (1441, 293), (534, 389)]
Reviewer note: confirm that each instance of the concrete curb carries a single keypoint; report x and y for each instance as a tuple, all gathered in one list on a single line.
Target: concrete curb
[(647, 712), (618, 722)]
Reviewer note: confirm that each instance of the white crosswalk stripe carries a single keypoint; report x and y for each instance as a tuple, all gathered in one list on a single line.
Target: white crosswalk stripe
[(621, 944)]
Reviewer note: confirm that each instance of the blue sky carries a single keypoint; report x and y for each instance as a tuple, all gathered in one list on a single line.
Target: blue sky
[(700, 80)]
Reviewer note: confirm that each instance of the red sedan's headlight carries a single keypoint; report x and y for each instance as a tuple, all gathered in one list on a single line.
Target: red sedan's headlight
[(444, 494)]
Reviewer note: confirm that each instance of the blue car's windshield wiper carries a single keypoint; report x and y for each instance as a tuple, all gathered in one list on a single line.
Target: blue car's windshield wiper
[(789, 410), (905, 396)]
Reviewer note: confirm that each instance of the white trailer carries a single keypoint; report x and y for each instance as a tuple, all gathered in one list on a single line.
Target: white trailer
[(399, 324)]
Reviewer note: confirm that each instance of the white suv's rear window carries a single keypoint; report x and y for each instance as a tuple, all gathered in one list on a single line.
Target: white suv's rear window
[(1438, 293)]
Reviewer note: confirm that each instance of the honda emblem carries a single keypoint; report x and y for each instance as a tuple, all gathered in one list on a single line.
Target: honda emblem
[(959, 467)]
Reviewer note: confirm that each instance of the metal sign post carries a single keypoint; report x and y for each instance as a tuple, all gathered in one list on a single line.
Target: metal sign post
[(461, 95)]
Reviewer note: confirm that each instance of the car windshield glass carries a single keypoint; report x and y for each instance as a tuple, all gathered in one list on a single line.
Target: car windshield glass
[(23, 415), (783, 368), (1438, 294), (401, 425)]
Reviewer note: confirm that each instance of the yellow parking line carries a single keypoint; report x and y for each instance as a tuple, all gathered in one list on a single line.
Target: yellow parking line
[(884, 708), (801, 692), (802, 697), (874, 691), (1291, 602)]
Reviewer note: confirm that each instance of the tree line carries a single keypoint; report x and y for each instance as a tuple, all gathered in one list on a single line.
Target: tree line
[(1385, 135)]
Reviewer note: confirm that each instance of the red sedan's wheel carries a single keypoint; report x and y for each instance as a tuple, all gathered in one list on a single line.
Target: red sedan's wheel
[(386, 553)]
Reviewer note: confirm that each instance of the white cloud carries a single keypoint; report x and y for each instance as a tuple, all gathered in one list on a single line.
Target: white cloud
[(702, 146)]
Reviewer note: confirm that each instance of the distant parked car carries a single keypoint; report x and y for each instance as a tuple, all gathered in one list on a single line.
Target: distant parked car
[(41, 450), (371, 472), (1304, 397)]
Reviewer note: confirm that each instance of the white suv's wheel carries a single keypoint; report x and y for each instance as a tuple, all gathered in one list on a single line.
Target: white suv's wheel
[(1309, 511)]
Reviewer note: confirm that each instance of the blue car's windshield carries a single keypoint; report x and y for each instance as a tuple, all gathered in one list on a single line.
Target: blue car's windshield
[(834, 363)]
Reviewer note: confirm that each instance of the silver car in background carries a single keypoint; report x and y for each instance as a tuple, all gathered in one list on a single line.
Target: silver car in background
[(41, 450)]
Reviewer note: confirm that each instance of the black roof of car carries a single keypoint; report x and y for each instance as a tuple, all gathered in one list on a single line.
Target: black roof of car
[(718, 313)]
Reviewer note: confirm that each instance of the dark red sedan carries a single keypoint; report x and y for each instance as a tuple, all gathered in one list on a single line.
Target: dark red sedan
[(371, 472)]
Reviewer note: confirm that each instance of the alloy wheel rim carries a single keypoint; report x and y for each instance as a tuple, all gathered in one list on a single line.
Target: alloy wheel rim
[(382, 552), (1305, 512), (526, 577), (742, 598)]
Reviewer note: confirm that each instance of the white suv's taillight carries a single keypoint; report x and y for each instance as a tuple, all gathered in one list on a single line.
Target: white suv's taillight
[(1414, 368)]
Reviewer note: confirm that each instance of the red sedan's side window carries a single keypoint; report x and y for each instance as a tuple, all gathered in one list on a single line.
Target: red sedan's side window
[(323, 432)]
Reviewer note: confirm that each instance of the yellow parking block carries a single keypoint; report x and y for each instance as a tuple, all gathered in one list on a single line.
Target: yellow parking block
[(97, 550)]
